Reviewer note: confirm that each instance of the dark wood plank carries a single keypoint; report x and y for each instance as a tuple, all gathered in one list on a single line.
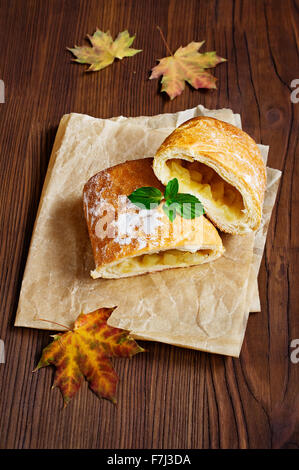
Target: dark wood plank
[(169, 397)]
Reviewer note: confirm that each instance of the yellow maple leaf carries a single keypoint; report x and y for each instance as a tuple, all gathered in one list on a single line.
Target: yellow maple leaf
[(104, 50)]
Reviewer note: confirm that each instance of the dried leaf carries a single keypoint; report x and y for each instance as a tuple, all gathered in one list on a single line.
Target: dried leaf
[(84, 352), (186, 64), (104, 50)]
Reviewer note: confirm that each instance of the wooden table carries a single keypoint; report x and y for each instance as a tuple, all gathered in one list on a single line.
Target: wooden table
[(169, 397)]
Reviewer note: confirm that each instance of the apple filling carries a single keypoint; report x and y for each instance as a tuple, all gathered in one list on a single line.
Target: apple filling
[(204, 182), (160, 260)]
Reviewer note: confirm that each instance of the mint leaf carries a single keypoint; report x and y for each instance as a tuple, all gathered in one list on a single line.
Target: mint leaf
[(169, 211), (146, 197), (171, 189), (188, 206)]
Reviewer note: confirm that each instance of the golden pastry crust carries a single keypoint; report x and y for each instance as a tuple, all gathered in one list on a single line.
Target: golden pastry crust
[(232, 154), (108, 212)]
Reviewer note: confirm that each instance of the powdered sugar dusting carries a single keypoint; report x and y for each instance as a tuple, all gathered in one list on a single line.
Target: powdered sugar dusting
[(93, 211), (120, 220), (133, 223)]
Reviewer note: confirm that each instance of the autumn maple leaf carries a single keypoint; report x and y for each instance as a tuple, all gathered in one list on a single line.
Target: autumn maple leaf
[(186, 65), (104, 50), (84, 352)]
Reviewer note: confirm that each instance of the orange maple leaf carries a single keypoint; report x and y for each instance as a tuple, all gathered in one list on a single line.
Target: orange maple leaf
[(186, 65), (84, 352)]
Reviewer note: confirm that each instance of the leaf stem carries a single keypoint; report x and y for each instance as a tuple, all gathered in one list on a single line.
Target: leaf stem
[(164, 40), (50, 321)]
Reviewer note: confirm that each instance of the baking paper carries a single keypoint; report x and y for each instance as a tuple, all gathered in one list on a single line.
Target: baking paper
[(203, 307)]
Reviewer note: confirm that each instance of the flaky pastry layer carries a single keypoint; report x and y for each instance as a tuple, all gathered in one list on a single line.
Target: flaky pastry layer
[(221, 165)]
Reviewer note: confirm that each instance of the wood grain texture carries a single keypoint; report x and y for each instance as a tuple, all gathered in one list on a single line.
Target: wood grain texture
[(169, 397)]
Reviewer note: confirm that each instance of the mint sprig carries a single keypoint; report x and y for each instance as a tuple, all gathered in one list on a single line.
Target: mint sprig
[(186, 205)]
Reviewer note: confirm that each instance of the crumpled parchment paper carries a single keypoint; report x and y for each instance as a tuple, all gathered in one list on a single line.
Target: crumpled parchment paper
[(203, 307)]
